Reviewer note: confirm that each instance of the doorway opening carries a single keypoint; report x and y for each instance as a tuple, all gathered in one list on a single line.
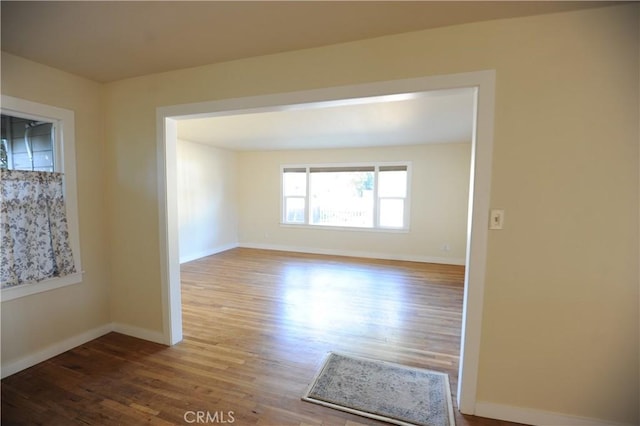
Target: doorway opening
[(482, 82)]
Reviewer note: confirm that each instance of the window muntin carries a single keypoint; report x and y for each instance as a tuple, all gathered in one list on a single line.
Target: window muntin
[(347, 196)]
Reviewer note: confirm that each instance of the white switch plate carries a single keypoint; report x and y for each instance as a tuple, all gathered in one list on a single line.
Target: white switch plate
[(496, 219)]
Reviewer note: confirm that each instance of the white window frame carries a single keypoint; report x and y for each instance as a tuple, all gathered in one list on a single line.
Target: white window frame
[(284, 197), (376, 208), (65, 162)]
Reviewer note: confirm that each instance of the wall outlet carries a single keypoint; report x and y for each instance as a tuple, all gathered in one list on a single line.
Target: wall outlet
[(445, 247)]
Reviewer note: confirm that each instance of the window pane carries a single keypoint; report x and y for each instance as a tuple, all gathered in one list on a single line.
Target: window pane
[(26, 144), (294, 210), (392, 183), (392, 213), (294, 183), (342, 199)]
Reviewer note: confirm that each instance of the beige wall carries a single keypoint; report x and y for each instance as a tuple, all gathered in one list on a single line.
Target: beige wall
[(560, 328), (37, 322), (439, 201), (207, 200)]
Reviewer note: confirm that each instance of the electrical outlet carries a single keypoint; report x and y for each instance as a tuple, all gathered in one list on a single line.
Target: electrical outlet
[(496, 219)]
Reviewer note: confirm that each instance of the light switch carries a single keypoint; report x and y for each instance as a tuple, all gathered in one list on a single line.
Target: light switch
[(496, 219)]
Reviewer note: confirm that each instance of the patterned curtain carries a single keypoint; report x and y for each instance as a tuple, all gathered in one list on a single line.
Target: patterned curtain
[(35, 239)]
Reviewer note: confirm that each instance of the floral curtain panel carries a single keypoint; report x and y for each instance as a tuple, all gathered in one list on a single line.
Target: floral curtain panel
[(35, 239)]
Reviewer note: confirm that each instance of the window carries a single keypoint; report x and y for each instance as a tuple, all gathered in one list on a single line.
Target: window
[(40, 138), (373, 196), (294, 190)]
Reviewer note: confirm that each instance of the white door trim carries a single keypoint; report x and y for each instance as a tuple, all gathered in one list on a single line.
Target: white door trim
[(479, 190)]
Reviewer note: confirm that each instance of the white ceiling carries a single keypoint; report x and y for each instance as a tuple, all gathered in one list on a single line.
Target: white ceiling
[(443, 116), (111, 40)]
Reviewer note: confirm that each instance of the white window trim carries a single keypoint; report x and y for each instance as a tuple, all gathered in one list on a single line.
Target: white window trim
[(376, 228), (64, 161)]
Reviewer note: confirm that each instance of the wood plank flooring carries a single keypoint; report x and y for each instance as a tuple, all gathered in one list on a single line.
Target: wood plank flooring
[(257, 325)]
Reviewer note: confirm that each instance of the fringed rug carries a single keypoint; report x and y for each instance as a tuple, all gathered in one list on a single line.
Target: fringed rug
[(384, 391)]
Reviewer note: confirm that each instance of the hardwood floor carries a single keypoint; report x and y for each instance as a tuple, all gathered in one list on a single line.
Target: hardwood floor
[(257, 325)]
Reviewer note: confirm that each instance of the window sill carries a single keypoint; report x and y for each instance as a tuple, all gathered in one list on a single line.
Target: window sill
[(345, 228), (23, 290)]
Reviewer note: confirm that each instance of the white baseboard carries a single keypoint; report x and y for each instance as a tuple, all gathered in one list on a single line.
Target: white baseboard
[(537, 417), (53, 350), (193, 256), (75, 341), (140, 333), (356, 253)]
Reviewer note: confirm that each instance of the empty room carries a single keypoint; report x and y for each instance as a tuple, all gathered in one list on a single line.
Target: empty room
[(393, 187), (339, 213)]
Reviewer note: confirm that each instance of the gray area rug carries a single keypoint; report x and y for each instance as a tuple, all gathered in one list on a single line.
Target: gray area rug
[(384, 391)]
